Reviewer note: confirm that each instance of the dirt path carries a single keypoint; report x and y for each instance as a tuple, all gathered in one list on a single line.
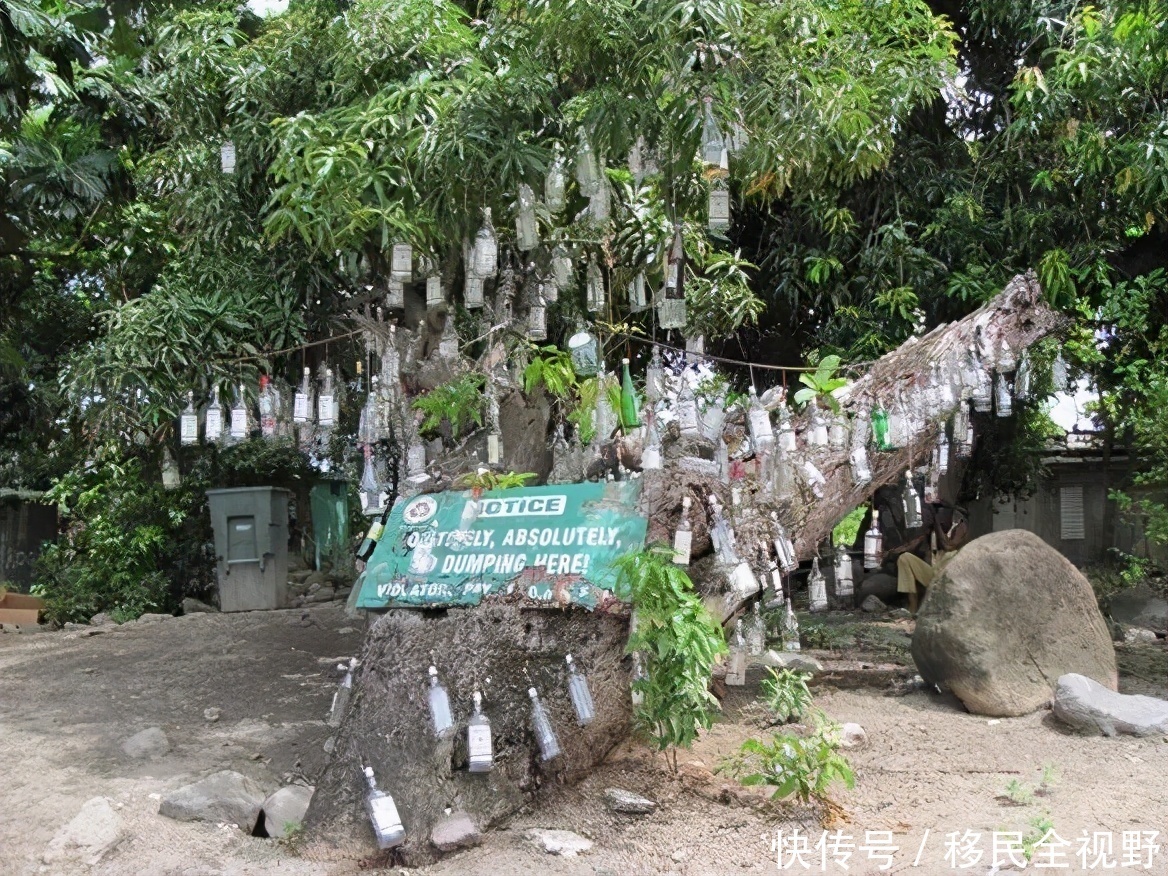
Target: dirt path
[(67, 702)]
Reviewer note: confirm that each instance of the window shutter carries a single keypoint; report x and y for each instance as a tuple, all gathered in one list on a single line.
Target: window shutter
[(1071, 513)]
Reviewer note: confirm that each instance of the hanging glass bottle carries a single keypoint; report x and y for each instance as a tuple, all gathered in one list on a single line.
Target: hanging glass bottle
[(268, 405), (683, 536), (736, 662), (637, 299), (555, 183), (600, 204), (545, 736), (587, 168), (844, 587), (718, 208), (787, 441), (227, 157), (171, 476), (817, 435), (439, 701), (562, 268), (980, 382), (713, 143), (401, 263), (240, 421), (1003, 400), (687, 410), (943, 452), (873, 544), (1022, 378), (654, 378), (762, 436), (817, 587), (791, 629), (526, 231), (395, 296), (814, 478), (912, 503), (326, 402), (604, 417), (580, 695), (861, 472), (651, 454), (880, 430), (213, 418), (595, 285), (630, 405), (1060, 381), (837, 431), (537, 318), (188, 423), (435, 294), (480, 747), (756, 635), (448, 343), (784, 547), (383, 815), (585, 353), (486, 248), (899, 433), (671, 313)]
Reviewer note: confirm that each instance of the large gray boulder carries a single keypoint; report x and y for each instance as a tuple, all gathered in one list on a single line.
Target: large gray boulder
[(1086, 704), (223, 797), (284, 810), (1005, 620)]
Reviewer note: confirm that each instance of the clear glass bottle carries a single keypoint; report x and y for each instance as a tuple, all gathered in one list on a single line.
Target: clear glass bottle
[(556, 182), (722, 536), (1022, 378), (943, 452), (188, 422), (486, 248), (1003, 400), (240, 421), (683, 537), (439, 706), (787, 441), (784, 547), (873, 544), (526, 231), (762, 436), (756, 638), (736, 662), (654, 378), (837, 431), (383, 815), (844, 582), (302, 402), (912, 503), (269, 405), (401, 263), (580, 694), (718, 206), (637, 298), (326, 402), (817, 436), (594, 287), (587, 168), (791, 629), (687, 410), (343, 692), (545, 736), (448, 343), (213, 418), (537, 318), (640, 677), (480, 745), (563, 268), (713, 143), (817, 587)]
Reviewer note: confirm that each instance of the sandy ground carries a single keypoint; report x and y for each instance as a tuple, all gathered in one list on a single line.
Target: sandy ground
[(930, 769)]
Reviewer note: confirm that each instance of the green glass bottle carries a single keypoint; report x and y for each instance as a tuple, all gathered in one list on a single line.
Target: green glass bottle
[(630, 419), (880, 429)]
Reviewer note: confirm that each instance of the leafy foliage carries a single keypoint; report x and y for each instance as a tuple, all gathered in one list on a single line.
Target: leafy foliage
[(785, 693), (489, 480), (821, 383), (458, 402), (679, 643), (805, 766)]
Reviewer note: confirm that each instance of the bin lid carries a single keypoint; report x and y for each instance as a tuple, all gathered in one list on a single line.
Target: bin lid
[(238, 490)]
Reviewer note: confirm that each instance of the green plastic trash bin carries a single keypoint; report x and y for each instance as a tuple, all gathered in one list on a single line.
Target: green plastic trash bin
[(251, 547)]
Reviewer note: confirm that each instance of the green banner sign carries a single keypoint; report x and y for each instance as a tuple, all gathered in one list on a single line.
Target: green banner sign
[(551, 544)]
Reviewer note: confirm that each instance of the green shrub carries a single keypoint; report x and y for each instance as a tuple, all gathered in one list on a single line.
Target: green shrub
[(805, 766), (679, 643), (785, 694)]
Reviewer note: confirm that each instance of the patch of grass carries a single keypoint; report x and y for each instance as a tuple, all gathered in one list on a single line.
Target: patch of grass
[(828, 637)]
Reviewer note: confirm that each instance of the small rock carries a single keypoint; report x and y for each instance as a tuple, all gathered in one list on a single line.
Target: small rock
[(314, 587), (679, 856), (190, 605), (344, 631), (1082, 702), (93, 831), (1138, 634), (899, 612), (151, 617), (559, 842), (791, 660), (71, 627), (873, 604), (284, 810), (100, 618), (225, 796), (619, 800), (853, 736), (212, 714), (9, 628), (92, 631), (455, 831), (148, 743)]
